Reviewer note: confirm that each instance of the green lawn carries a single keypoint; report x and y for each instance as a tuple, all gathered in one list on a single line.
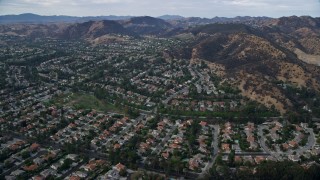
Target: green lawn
[(84, 101)]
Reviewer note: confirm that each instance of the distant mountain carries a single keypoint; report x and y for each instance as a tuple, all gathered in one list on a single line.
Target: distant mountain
[(33, 18), (33, 30), (147, 25), (111, 17), (171, 17), (87, 30), (221, 28), (94, 29), (175, 20), (148, 21), (193, 21)]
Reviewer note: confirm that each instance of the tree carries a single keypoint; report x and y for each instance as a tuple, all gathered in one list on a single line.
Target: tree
[(231, 158), (66, 164), (25, 154), (123, 172), (285, 170), (8, 164)]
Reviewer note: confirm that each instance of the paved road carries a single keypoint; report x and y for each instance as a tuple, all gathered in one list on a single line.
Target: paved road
[(41, 152), (166, 101), (164, 140), (262, 139), (299, 151), (315, 119), (185, 89), (215, 143), (73, 169), (125, 130), (262, 142), (250, 154), (311, 142)]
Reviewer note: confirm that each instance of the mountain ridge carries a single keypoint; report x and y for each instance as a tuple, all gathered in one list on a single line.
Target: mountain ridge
[(35, 18), (257, 56)]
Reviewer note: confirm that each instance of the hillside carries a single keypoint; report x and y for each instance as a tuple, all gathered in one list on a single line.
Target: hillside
[(94, 29), (260, 56), (33, 30), (260, 60), (87, 30), (147, 25)]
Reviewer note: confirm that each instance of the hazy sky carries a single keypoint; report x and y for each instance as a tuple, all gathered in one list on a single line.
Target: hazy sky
[(201, 8)]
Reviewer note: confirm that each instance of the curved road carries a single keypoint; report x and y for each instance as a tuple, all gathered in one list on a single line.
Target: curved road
[(299, 151)]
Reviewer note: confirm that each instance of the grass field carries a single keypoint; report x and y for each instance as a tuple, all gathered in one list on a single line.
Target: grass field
[(84, 101)]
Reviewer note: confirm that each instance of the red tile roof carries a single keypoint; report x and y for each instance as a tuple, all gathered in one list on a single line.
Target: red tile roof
[(32, 167), (203, 123), (120, 167), (74, 178), (116, 146), (34, 147), (165, 155)]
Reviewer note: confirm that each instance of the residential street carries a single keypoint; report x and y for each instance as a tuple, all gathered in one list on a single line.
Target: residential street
[(215, 143), (278, 155)]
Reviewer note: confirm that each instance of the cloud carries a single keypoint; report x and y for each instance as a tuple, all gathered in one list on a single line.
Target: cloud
[(246, 3), (42, 2)]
